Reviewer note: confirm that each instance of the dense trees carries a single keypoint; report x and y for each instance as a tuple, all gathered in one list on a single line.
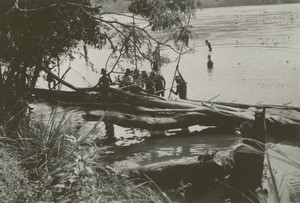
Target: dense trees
[(36, 35)]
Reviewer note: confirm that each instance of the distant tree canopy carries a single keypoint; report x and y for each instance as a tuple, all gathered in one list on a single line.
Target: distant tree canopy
[(214, 3), (122, 5), (35, 34)]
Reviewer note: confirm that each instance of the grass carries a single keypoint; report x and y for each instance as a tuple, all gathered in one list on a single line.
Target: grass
[(14, 184), (58, 165)]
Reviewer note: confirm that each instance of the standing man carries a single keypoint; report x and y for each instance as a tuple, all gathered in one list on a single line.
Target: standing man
[(210, 63), (181, 87), (127, 80), (104, 83), (156, 59), (160, 85), (105, 80), (209, 47)]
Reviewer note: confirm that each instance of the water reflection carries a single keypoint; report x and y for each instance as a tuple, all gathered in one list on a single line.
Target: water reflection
[(210, 70), (162, 148)]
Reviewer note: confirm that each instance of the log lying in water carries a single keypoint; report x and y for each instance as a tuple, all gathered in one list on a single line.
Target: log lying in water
[(169, 174), (150, 122), (148, 112), (242, 163), (178, 118)]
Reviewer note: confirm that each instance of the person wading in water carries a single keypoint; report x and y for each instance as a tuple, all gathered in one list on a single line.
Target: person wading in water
[(209, 47), (210, 63)]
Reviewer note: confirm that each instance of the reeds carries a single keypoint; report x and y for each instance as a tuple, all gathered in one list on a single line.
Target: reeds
[(63, 167)]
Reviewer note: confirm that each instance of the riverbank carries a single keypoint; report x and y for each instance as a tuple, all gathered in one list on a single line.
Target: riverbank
[(48, 161), (122, 6), (87, 164)]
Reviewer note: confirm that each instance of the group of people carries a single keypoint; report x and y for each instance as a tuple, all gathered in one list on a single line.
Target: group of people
[(151, 83)]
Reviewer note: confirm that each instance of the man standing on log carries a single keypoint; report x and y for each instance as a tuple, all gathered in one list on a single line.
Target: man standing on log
[(181, 87), (160, 85), (126, 79), (104, 82)]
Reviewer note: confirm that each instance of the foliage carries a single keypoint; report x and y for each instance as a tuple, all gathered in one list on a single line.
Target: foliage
[(14, 184), (42, 146), (51, 163), (35, 35), (170, 15), (84, 179)]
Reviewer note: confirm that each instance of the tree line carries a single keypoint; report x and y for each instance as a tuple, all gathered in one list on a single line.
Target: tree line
[(224, 3), (122, 5)]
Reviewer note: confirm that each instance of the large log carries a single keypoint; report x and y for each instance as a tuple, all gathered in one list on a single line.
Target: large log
[(246, 106), (148, 112), (169, 174), (180, 120), (183, 119)]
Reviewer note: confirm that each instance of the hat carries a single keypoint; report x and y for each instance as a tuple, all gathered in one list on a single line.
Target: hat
[(103, 71), (127, 70)]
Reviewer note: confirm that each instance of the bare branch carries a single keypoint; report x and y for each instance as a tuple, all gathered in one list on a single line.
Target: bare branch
[(54, 5)]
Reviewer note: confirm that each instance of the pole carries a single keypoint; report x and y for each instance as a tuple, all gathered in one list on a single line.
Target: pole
[(134, 40)]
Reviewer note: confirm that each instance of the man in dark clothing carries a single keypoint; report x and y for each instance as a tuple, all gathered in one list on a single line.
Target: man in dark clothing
[(210, 63), (209, 46), (105, 80), (104, 83), (160, 84), (181, 87)]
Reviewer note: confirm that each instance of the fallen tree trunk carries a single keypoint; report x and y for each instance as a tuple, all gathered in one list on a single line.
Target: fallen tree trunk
[(246, 106), (171, 174), (183, 119), (152, 113), (165, 122)]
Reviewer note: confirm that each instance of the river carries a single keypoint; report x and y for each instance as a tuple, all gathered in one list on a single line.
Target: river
[(256, 53)]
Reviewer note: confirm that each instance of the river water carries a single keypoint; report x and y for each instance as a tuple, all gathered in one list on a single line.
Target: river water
[(256, 53)]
